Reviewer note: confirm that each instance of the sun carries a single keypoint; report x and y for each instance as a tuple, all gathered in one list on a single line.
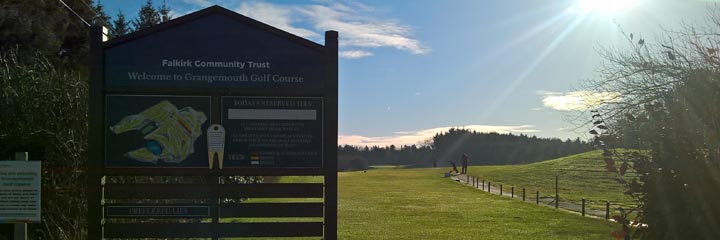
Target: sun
[(605, 7)]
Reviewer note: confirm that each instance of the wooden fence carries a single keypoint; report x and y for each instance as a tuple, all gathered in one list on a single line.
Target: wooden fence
[(482, 184)]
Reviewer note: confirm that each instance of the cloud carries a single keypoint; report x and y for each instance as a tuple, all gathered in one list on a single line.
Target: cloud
[(417, 137), (359, 30), (275, 15), (352, 54), (201, 3), (358, 26), (577, 100)]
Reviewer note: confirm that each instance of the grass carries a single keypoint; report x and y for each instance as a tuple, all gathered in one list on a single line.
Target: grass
[(420, 204), (581, 175), (397, 203)]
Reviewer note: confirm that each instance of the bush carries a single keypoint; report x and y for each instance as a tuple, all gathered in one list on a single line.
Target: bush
[(44, 112), (670, 93)]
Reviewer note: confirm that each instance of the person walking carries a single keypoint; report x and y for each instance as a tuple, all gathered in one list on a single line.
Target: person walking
[(464, 163)]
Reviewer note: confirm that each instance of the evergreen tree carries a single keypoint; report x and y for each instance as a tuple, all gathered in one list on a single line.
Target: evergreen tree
[(121, 25), (147, 17), (165, 12), (100, 18), (45, 27)]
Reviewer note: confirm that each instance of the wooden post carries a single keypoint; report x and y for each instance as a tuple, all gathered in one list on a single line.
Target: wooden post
[(483, 185), (512, 192), (467, 179), (523, 194), (607, 210), (583, 206), (331, 164), (96, 134), (557, 200), (537, 197), (488, 186), (500, 189), (20, 229)]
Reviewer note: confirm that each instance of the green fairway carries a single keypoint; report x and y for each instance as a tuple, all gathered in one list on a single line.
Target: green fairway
[(581, 175), (421, 204)]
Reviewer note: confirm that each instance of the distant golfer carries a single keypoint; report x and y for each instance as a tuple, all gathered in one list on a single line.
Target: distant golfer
[(464, 163), (454, 167)]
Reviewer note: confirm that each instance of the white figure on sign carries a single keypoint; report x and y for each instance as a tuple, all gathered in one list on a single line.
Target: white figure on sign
[(216, 144)]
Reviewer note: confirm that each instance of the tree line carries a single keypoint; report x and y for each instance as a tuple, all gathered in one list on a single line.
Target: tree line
[(58, 30), (44, 94), (446, 147)]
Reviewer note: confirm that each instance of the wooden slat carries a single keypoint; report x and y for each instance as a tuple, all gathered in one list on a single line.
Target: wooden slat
[(207, 172), (200, 191), (278, 229), (188, 230), (272, 190), (271, 210), (157, 191)]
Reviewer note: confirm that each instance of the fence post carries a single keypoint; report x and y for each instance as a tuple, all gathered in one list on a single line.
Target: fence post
[(537, 197), (483, 184), (583, 207), (607, 210), (467, 179), (523, 194), (557, 200), (512, 192), (557, 197), (500, 189), (488, 186)]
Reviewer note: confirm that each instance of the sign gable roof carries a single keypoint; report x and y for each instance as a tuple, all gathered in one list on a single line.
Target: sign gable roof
[(209, 11)]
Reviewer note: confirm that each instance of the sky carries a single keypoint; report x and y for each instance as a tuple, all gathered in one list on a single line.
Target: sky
[(411, 69)]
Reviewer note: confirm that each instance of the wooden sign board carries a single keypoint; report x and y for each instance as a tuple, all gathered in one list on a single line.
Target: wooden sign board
[(212, 94)]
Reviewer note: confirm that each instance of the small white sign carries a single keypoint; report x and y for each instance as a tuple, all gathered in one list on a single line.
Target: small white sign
[(216, 144), (20, 191)]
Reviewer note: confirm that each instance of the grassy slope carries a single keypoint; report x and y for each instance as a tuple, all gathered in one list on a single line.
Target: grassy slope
[(420, 204), (581, 175)]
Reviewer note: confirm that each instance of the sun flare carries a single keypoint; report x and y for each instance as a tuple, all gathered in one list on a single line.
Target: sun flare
[(605, 7)]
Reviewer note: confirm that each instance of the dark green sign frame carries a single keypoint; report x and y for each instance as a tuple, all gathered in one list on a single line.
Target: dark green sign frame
[(218, 53)]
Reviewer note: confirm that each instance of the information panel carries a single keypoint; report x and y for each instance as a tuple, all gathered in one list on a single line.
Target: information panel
[(273, 132), (19, 191), (156, 131)]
